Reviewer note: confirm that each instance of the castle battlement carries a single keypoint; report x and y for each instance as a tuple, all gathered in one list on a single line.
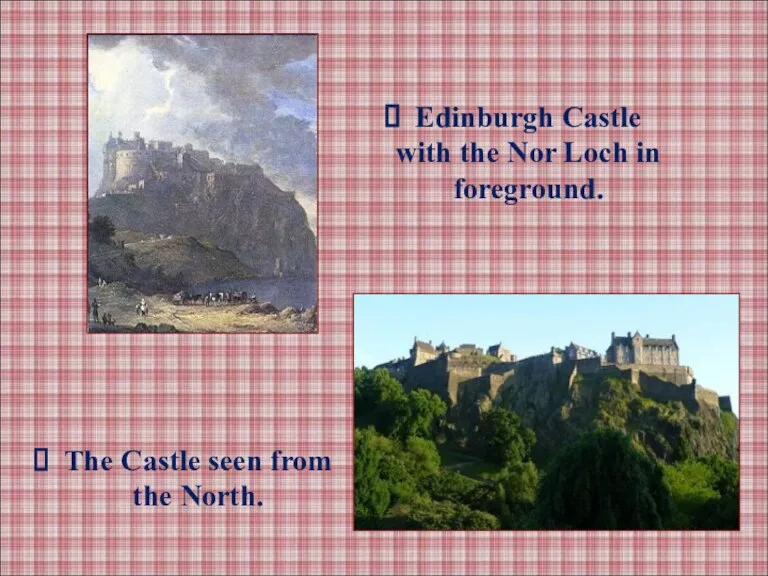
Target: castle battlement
[(129, 162), (650, 363)]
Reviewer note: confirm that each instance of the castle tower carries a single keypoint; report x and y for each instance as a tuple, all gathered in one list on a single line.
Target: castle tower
[(634, 349), (109, 164), (637, 348)]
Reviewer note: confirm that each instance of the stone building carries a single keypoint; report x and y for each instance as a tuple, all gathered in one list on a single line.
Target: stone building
[(503, 354), (422, 352), (129, 162), (469, 350), (576, 352), (635, 349)]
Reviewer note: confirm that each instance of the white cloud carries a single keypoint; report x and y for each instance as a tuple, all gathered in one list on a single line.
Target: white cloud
[(243, 98), (128, 93)]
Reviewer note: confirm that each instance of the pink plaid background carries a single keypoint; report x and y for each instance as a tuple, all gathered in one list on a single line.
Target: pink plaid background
[(694, 223)]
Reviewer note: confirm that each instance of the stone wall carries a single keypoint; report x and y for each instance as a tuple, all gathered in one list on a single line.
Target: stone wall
[(432, 375), (397, 368), (542, 362), (679, 375), (456, 379), (725, 403), (589, 365), (422, 356), (662, 390), (131, 164), (707, 396), (659, 355)]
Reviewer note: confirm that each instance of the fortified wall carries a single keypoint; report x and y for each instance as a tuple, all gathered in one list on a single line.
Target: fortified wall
[(133, 164), (465, 374), (663, 384)]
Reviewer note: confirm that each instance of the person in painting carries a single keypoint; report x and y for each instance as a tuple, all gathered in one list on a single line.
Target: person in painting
[(142, 309)]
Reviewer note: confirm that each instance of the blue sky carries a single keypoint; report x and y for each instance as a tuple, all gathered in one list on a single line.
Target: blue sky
[(706, 327)]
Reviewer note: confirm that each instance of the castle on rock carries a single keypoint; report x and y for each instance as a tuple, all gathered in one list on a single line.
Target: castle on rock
[(131, 165)]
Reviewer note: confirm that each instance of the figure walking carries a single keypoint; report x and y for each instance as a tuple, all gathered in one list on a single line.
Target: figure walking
[(142, 309)]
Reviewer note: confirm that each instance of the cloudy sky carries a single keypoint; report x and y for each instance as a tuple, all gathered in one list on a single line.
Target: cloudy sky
[(245, 98)]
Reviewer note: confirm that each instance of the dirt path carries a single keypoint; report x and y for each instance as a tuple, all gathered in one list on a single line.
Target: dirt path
[(121, 302)]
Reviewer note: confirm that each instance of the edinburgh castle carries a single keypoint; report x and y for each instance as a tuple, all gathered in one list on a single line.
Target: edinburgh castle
[(132, 165), (467, 371)]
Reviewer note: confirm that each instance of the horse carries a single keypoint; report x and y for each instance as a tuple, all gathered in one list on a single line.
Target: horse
[(180, 297), (239, 296)]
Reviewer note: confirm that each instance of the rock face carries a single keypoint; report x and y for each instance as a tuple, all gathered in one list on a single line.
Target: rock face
[(563, 404), (560, 400), (184, 256), (237, 210), (161, 265)]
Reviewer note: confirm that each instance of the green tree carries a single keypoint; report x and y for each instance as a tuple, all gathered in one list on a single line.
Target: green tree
[(418, 414), (424, 455), (705, 493), (101, 229), (502, 437), (372, 495), (519, 484), (379, 400), (429, 515), (602, 482)]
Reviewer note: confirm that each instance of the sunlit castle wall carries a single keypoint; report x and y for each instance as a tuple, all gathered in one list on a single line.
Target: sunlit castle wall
[(131, 164)]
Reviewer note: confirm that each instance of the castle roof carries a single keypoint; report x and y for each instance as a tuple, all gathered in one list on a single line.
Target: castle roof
[(496, 349), (424, 346), (647, 341), (660, 342)]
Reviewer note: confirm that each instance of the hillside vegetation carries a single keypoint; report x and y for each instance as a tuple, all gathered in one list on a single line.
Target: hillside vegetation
[(667, 431), (183, 256), (607, 458), (262, 225)]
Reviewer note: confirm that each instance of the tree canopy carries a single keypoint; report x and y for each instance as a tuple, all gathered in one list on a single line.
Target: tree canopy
[(380, 401), (502, 437), (603, 482), (415, 470), (101, 228)]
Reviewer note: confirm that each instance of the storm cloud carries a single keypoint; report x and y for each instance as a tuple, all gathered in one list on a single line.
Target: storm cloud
[(246, 98)]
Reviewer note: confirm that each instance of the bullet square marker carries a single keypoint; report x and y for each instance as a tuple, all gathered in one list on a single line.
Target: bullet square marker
[(391, 110), (41, 459)]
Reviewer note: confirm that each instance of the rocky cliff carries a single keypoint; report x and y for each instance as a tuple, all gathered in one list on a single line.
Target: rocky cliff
[(262, 225), (559, 403)]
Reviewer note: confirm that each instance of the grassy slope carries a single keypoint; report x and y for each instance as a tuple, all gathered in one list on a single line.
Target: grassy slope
[(120, 301), (197, 263)]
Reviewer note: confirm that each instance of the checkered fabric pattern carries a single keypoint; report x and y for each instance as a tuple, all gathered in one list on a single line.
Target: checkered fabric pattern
[(694, 223)]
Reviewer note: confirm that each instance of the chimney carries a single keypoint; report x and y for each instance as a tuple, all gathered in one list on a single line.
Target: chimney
[(613, 336), (136, 135), (673, 338), (629, 334)]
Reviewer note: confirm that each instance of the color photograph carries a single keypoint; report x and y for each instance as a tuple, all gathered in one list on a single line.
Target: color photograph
[(202, 183), (546, 412)]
